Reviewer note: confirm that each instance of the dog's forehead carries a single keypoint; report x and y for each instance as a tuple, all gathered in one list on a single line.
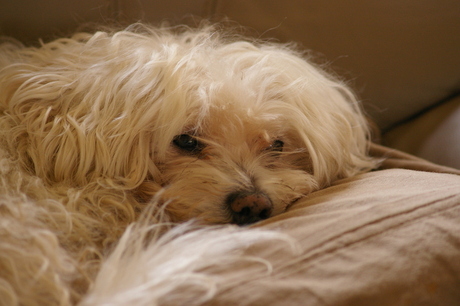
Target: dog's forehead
[(236, 124)]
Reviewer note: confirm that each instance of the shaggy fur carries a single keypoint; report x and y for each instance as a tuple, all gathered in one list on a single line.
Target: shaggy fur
[(171, 124)]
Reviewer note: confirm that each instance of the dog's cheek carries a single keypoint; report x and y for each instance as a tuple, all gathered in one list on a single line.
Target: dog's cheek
[(287, 186), (146, 191), (195, 195), (178, 210)]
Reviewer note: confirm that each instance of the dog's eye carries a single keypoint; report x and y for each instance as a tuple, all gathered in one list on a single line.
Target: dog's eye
[(276, 146), (188, 143)]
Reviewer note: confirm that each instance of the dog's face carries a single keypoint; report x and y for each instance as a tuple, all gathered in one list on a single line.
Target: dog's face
[(238, 167), (219, 131)]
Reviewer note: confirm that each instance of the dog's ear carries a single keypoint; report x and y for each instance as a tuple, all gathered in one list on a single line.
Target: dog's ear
[(334, 132), (323, 113), (80, 114)]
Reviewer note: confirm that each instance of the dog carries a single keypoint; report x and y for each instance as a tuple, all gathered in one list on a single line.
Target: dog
[(188, 124)]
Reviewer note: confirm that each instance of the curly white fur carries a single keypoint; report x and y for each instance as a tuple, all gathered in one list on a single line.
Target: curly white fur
[(87, 129)]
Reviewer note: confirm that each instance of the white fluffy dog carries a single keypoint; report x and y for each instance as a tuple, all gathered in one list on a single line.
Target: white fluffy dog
[(186, 124)]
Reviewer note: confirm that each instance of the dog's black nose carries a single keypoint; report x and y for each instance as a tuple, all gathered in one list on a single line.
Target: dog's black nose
[(249, 207)]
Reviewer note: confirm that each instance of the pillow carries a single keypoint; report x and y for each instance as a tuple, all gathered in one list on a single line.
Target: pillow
[(389, 237)]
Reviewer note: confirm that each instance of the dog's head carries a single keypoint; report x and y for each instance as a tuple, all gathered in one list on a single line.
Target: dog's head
[(229, 131)]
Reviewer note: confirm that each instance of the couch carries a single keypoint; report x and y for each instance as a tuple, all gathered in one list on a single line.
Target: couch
[(388, 237)]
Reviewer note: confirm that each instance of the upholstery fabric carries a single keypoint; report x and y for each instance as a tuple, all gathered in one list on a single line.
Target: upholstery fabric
[(434, 135), (389, 237)]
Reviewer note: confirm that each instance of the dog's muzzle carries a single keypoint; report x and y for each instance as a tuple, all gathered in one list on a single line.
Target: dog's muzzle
[(249, 207)]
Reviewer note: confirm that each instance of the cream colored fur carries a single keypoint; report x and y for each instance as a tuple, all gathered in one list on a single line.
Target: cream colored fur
[(87, 129)]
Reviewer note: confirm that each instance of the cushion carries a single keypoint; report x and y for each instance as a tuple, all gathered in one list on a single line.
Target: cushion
[(389, 237), (433, 135)]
